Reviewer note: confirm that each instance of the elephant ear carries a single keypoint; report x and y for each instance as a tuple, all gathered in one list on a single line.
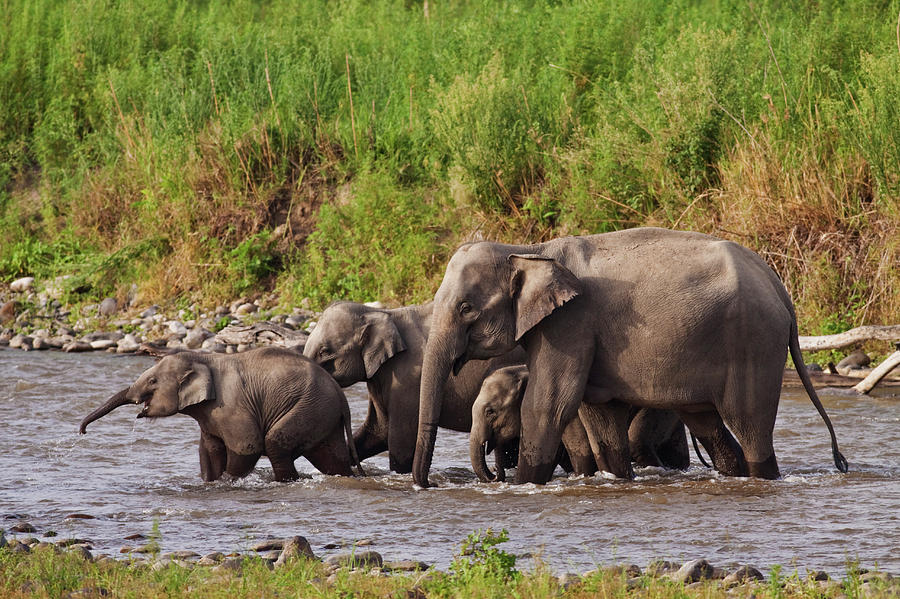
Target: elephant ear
[(196, 386), (380, 341), (540, 285)]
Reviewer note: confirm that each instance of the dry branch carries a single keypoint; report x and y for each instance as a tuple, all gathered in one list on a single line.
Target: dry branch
[(851, 337), (868, 383)]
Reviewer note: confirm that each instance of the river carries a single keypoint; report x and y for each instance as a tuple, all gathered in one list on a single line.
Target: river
[(132, 476)]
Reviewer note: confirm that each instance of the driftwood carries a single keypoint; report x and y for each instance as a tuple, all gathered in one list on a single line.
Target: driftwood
[(878, 373), (851, 337)]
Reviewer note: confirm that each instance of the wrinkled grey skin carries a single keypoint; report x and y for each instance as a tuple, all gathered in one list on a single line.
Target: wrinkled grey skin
[(644, 317), (655, 437), (267, 401), (384, 348)]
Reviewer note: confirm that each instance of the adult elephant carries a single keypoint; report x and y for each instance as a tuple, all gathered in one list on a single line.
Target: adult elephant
[(645, 317), (384, 347), (268, 401), (655, 437)]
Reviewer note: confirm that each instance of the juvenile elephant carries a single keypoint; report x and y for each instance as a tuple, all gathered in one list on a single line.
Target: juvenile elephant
[(268, 401), (655, 437), (384, 348), (645, 317)]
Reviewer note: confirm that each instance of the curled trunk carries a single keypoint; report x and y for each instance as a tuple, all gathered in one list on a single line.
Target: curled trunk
[(111, 404), (477, 457)]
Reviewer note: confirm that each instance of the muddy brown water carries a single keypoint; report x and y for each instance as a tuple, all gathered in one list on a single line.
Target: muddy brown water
[(132, 475)]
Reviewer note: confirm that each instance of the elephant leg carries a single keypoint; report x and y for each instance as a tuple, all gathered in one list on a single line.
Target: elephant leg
[(331, 456), (657, 438), (673, 452), (727, 455), (239, 465), (607, 429), (643, 436), (401, 444), (213, 457), (752, 419), (578, 447), (372, 437)]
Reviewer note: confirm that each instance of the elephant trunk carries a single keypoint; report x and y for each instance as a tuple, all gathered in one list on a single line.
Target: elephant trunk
[(440, 354), (119, 399), (477, 443)]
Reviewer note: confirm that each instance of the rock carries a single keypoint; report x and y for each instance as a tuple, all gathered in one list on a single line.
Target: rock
[(72, 541), (195, 338), (81, 551), (232, 564), (17, 546), (3, 541), (45, 546), (101, 344), (77, 346), (180, 555), (8, 312), (108, 306), (22, 285), (356, 559), (406, 566), (178, 329), (693, 571), (294, 548), (127, 344), (857, 359), (270, 545), (660, 567), (22, 527), (21, 341), (818, 575), (245, 309), (40, 343), (149, 312), (742, 575), (87, 592)]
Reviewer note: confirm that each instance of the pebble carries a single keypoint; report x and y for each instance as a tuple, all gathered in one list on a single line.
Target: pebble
[(742, 575), (693, 571), (22, 527), (22, 285), (108, 307), (293, 549), (356, 559)]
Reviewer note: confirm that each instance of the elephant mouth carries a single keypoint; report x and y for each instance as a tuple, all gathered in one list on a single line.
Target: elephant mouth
[(145, 401)]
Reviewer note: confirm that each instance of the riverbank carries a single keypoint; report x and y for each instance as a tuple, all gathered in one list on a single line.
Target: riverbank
[(32, 317), (69, 568)]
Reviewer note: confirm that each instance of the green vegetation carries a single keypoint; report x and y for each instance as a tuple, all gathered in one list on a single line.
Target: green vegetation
[(344, 149), (487, 572)]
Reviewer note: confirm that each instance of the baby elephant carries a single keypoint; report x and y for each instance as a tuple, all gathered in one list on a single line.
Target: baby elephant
[(656, 437), (268, 401)]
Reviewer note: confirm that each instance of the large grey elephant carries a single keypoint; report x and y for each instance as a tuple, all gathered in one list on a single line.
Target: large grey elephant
[(384, 348), (644, 317), (655, 437), (264, 402)]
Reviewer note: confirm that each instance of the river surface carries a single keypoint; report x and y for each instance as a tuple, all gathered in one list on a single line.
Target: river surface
[(133, 475)]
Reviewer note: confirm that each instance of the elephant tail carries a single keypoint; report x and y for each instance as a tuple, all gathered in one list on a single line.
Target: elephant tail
[(839, 460), (348, 432)]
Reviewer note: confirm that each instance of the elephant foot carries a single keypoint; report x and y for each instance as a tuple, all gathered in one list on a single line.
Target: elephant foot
[(539, 474), (767, 469)]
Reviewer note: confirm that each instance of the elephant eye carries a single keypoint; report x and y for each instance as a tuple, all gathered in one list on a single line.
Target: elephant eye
[(489, 411), (464, 308), (151, 380), (323, 351)]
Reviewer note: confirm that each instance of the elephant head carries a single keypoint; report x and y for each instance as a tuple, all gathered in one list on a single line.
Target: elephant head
[(175, 383), (491, 296), (351, 341), (495, 420)]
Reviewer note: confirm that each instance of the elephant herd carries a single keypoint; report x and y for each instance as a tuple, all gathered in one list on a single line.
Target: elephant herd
[(591, 353)]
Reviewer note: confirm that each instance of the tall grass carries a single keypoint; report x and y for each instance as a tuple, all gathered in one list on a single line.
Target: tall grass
[(342, 149)]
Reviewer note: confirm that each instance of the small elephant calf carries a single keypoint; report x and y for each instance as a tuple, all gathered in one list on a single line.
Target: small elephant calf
[(268, 401), (656, 437)]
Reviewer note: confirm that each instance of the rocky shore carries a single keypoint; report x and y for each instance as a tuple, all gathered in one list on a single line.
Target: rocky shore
[(359, 558), (32, 317)]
